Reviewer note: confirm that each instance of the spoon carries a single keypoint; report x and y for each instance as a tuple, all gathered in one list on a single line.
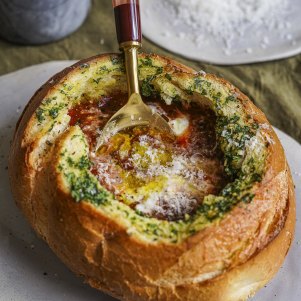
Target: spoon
[(135, 112)]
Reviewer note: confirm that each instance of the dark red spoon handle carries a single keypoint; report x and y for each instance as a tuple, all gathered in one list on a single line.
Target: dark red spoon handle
[(127, 19)]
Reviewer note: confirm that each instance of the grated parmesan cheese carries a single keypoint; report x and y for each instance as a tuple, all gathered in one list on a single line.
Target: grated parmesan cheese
[(229, 21), (172, 183)]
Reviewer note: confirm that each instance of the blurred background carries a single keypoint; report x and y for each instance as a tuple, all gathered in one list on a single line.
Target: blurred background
[(83, 28)]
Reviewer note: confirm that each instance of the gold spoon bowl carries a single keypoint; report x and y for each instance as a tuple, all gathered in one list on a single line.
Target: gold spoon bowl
[(135, 112)]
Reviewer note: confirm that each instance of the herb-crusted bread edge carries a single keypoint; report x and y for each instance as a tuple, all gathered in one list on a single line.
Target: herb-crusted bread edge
[(212, 264)]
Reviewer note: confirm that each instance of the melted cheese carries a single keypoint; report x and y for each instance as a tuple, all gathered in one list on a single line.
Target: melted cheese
[(179, 125)]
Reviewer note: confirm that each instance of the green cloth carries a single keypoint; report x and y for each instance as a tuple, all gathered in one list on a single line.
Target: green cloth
[(275, 87)]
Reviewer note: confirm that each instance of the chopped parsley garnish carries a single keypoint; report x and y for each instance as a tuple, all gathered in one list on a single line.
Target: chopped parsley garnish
[(53, 112), (40, 114), (147, 88), (168, 76), (84, 188)]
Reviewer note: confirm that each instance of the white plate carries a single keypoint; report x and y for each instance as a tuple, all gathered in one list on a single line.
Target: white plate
[(157, 21), (24, 258)]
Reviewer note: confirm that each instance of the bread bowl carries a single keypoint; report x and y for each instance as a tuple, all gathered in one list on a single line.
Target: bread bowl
[(225, 248)]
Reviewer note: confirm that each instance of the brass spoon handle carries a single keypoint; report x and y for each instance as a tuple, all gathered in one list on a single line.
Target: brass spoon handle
[(128, 29), (131, 66)]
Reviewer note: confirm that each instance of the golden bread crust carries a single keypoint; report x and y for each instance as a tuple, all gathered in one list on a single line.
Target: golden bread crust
[(229, 260)]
